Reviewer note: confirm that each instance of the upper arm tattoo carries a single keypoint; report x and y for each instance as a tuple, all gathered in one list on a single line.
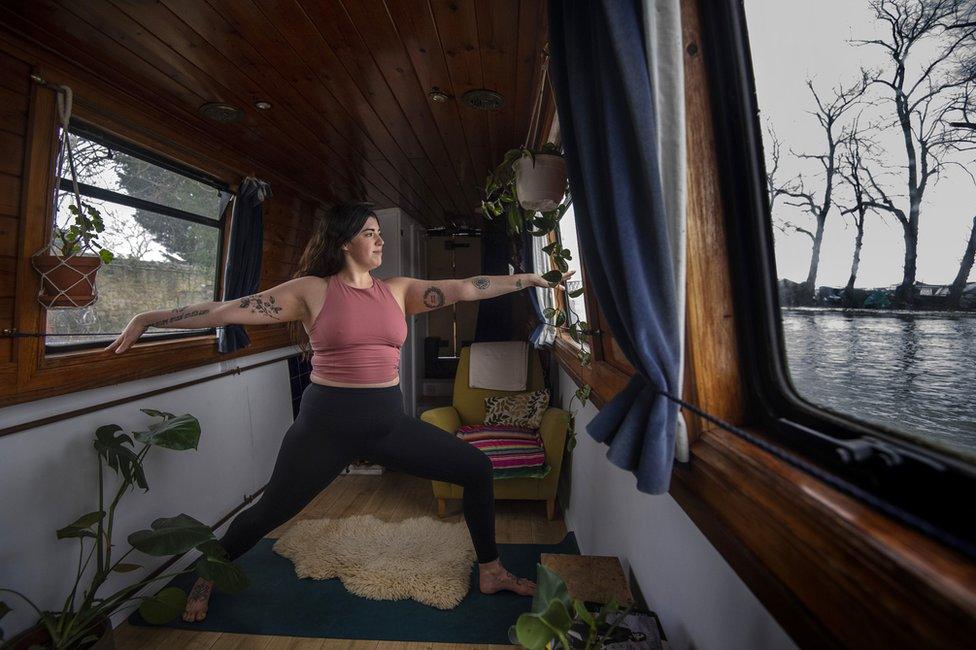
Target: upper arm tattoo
[(481, 282), (269, 307), (433, 297)]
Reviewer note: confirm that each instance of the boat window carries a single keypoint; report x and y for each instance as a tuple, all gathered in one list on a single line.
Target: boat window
[(163, 224), (576, 309), (848, 194)]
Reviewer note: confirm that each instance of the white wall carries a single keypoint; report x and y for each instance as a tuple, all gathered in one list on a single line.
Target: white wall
[(48, 475), (702, 603)]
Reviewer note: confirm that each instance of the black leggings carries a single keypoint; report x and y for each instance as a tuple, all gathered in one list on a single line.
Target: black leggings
[(336, 426)]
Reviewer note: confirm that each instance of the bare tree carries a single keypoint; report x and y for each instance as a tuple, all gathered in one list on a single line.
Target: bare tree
[(965, 268), (829, 115), (923, 103), (851, 170)]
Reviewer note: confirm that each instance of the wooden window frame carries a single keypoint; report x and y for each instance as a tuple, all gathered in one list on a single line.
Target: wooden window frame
[(831, 570), (35, 373)]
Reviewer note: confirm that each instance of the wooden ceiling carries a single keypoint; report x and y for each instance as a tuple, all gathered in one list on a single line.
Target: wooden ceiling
[(348, 81)]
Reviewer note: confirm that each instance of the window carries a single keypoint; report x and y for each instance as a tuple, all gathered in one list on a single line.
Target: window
[(164, 225), (848, 347)]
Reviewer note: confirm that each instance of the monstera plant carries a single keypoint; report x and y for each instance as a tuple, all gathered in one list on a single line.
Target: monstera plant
[(83, 619)]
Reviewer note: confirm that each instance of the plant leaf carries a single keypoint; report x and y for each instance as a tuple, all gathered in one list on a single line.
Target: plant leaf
[(171, 536), (177, 433), (532, 631), (124, 567), (227, 576), (164, 606)]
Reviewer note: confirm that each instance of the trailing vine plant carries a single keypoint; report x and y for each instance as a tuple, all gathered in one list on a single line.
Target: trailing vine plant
[(500, 200)]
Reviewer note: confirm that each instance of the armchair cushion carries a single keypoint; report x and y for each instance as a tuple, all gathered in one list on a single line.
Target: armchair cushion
[(513, 451), (520, 409), (445, 417)]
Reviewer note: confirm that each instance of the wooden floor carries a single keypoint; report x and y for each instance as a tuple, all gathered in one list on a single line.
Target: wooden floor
[(391, 497)]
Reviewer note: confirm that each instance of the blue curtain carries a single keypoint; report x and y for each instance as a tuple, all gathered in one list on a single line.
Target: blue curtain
[(496, 316), (243, 271), (607, 119)]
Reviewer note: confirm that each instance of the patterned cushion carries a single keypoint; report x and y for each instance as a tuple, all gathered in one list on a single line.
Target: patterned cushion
[(521, 409), (514, 451)]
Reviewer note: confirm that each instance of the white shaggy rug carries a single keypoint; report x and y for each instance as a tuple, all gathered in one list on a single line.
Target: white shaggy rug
[(420, 558)]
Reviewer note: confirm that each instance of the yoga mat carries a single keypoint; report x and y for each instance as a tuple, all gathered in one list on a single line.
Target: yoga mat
[(278, 603)]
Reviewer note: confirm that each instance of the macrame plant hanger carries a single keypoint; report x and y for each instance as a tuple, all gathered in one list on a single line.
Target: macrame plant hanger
[(67, 281)]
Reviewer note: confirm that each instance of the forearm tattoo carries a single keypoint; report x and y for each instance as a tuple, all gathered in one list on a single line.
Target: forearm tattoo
[(259, 305), (178, 314), (481, 282), (433, 298), (518, 283)]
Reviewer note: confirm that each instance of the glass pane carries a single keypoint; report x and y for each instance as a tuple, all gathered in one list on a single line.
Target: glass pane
[(878, 310), (567, 238), (160, 262), (120, 172)]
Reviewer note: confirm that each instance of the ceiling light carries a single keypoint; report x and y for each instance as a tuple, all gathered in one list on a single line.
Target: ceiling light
[(220, 112), (483, 99), (438, 95), (262, 105)]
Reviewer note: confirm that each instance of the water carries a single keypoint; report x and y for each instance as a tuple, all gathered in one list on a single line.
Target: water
[(912, 372)]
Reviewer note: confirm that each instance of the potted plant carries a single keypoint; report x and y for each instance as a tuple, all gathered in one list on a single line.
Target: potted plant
[(558, 621), (540, 178), (68, 274), (87, 624)]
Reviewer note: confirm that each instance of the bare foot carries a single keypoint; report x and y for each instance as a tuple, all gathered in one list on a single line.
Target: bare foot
[(493, 577), (197, 601)]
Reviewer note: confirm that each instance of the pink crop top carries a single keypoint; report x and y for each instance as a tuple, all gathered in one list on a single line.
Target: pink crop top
[(357, 335)]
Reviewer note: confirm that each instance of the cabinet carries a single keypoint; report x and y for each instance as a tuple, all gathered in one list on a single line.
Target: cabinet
[(405, 254)]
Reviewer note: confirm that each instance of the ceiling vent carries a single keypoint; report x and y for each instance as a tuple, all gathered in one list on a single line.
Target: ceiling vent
[(483, 99), (220, 112)]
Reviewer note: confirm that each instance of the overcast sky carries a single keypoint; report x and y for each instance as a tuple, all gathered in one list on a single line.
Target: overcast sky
[(793, 40)]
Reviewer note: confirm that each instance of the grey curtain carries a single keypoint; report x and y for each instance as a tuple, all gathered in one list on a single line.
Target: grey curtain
[(607, 118), (243, 270)]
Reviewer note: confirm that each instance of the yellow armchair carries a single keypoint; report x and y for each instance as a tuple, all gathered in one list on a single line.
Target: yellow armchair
[(469, 408)]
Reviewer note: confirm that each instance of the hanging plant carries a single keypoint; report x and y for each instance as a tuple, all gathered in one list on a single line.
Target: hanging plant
[(67, 273), (68, 264), (531, 192)]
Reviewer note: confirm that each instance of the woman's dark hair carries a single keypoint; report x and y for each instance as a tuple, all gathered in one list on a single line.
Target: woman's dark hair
[(323, 255)]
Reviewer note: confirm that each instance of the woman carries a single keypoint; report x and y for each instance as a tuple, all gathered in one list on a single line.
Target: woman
[(353, 407)]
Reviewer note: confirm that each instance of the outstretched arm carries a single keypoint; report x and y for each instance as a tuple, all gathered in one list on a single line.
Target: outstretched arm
[(426, 295), (281, 304)]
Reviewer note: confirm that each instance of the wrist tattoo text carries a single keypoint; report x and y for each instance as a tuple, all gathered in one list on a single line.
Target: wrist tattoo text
[(481, 283), (259, 305), (433, 298), (178, 314), (518, 283)]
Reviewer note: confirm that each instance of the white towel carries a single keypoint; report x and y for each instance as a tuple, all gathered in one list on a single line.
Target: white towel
[(501, 365)]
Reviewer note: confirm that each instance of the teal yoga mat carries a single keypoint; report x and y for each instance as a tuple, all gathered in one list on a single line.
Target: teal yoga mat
[(278, 603)]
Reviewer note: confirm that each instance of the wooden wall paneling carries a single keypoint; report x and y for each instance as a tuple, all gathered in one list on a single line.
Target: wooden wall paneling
[(498, 43), (201, 49), (384, 51), (13, 110), (12, 146), (308, 43), (457, 26), (533, 30), (9, 195), (266, 52), (137, 59), (714, 354), (417, 30), (189, 139)]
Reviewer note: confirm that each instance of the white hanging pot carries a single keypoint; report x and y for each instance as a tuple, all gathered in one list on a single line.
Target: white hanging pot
[(540, 186)]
